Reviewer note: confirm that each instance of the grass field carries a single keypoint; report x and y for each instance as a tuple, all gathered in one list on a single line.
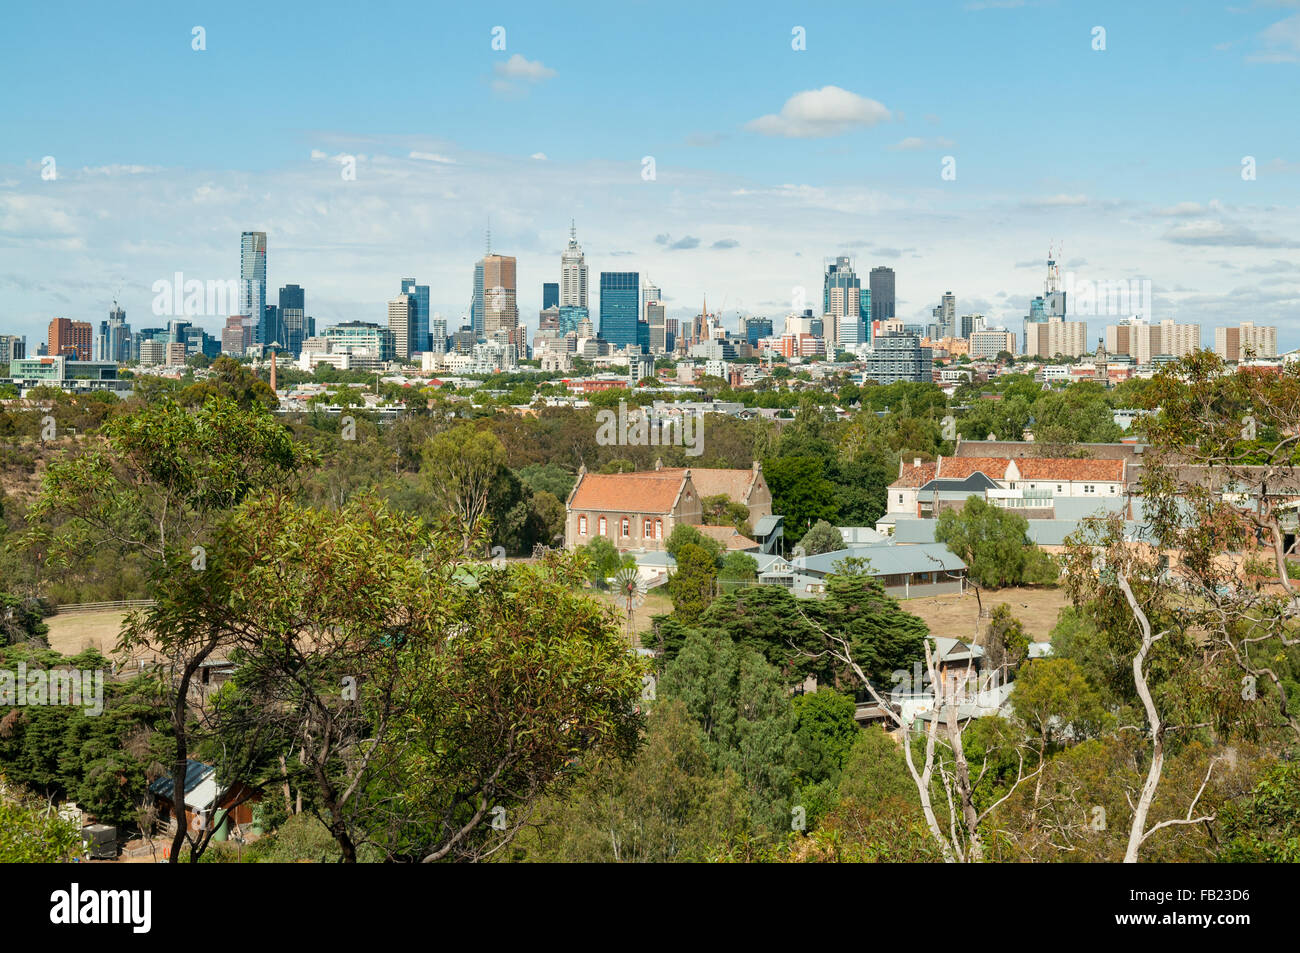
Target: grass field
[(77, 631), (955, 616)]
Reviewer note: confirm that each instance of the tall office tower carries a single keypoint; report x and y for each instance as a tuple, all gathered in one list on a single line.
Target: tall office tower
[(234, 336), (881, 285), (1054, 336), (970, 323), (573, 273), (654, 316), (755, 329), (421, 295), (620, 299), (401, 322), (550, 294), (571, 316), (252, 283), (1245, 341), (948, 314), (842, 298), (438, 335), (72, 338), (271, 330), (113, 343), (1143, 341), (292, 327), (477, 305), (13, 347), (672, 334), (500, 308), (649, 292)]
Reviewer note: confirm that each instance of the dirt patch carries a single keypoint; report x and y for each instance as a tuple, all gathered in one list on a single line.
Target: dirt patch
[(955, 616)]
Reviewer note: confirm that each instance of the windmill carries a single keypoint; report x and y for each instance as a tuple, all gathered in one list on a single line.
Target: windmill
[(630, 591)]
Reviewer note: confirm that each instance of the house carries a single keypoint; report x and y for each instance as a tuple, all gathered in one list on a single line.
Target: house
[(206, 802), (906, 572), (1034, 487), (730, 538), (640, 510)]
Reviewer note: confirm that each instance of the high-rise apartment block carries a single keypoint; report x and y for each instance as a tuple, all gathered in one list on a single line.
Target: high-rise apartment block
[(401, 322), (1056, 337), (1143, 341), (71, 338), (1245, 341)]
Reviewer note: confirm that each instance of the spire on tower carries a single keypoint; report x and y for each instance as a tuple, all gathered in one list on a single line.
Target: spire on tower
[(573, 231)]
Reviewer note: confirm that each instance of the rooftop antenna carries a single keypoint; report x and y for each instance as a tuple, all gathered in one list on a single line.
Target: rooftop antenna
[(489, 235), (573, 232)]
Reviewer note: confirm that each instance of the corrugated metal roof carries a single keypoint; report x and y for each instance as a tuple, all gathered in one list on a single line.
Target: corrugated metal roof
[(886, 559), (195, 773)]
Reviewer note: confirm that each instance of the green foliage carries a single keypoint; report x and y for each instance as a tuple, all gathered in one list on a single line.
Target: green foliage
[(737, 699), (826, 731), (602, 561), (994, 544), (822, 538), (32, 832), (693, 583), (668, 804), (684, 534), (1264, 827)]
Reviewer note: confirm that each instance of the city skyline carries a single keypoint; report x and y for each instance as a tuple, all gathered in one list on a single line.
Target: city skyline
[(744, 203)]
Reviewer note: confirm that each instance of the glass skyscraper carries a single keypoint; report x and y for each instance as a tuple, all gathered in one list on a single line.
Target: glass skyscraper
[(252, 283), (620, 304), (550, 294), (421, 295), (476, 307)]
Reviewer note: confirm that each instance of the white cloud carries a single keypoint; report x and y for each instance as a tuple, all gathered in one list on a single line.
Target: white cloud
[(818, 113), (517, 67), (538, 155), (917, 144), (431, 157)]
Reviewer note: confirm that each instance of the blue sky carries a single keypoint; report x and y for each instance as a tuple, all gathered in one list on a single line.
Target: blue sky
[(767, 159)]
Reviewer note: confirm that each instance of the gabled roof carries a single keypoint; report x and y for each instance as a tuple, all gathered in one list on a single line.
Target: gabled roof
[(766, 525), (958, 468), (728, 537), (653, 491), (912, 474), (1060, 468), (735, 484)]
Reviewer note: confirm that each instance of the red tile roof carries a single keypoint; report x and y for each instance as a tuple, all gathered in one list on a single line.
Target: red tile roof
[(915, 474), (648, 492), (959, 468), (728, 537), (1059, 468), (732, 483)]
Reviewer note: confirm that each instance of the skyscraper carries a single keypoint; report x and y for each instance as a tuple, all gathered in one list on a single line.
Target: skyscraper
[(252, 283), (438, 335), (500, 307), (620, 301), (550, 294), (401, 322), (948, 314), (573, 273), (421, 294), (842, 299), (649, 292), (71, 338), (881, 284), (113, 342), (476, 306), (293, 328)]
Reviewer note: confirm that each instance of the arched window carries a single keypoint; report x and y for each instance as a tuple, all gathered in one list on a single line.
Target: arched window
[(601, 524), (582, 526)]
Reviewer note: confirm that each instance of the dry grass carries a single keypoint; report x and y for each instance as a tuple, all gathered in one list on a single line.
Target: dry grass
[(78, 631), (955, 616)]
